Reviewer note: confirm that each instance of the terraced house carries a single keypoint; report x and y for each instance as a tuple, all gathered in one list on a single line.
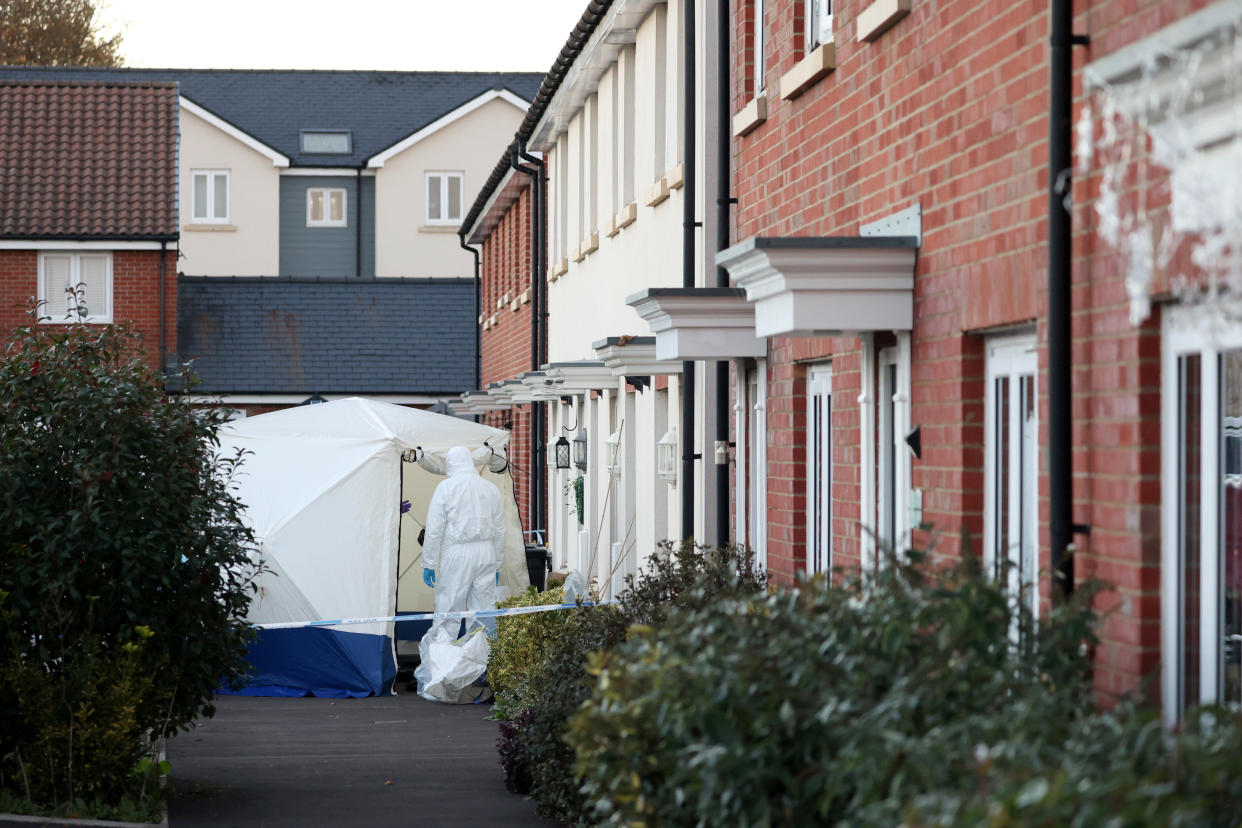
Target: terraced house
[(966, 273), (317, 215)]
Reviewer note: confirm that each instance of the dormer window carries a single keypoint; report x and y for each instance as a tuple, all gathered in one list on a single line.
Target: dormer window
[(326, 142)]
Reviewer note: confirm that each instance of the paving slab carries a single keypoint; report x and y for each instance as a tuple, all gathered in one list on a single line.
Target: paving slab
[(389, 761)]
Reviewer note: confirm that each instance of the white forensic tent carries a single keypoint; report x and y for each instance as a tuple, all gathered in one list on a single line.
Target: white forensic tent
[(322, 486)]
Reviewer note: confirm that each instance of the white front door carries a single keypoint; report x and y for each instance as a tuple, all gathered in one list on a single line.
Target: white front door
[(1011, 448)]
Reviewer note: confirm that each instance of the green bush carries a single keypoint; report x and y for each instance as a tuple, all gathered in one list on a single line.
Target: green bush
[(682, 575), (1117, 768), (126, 568), (824, 703), (519, 646)]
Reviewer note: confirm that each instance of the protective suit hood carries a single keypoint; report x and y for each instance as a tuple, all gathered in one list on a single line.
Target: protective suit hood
[(459, 462)]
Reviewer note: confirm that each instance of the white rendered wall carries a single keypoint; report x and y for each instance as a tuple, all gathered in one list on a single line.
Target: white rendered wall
[(249, 245), (405, 245)]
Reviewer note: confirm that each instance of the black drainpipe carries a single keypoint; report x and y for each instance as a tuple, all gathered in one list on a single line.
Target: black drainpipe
[(687, 277), (539, 310), (1060, 392), (478, 307), (723, 200), (536, 437), (163, 314)]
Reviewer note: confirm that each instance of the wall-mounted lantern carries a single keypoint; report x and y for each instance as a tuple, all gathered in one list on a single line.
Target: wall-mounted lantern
[(612, 450), (560, 453), (580, 449), (666, 457)]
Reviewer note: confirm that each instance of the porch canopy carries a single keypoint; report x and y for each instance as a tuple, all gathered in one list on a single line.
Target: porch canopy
[(827, 285), (699, 323)]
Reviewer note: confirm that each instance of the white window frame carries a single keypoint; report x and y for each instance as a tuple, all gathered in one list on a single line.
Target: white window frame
[(445, 176), (760, 48), (819, 468), (818, 23), (211, 217), (327, 221), (1012, 357), (75, 271), (1188, 332)]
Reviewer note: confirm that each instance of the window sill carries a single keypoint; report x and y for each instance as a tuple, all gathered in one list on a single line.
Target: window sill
[(627, 216), (675, 177), (879, 17), (657, 193), (589, 245), (751, 116), (439, 228), (210, 228), (807, 71), (327, 226)]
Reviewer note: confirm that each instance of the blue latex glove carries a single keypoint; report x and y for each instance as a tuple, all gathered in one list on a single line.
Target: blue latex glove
[(405, 506), (429, 578)]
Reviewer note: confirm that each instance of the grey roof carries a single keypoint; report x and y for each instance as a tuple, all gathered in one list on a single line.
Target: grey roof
[(274, 106), (328, 336)]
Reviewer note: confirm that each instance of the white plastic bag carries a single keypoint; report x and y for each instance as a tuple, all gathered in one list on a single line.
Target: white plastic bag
[(450, 667)]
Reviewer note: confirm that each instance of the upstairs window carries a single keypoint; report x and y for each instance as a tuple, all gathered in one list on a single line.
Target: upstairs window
[(210, 197), (326, 142), (818, 23), (444, 197), (89, 275), (325, 207)]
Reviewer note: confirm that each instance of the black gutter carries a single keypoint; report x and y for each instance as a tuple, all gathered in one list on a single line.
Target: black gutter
[(79, 237), (478, 306), (536, 438), (687, 277), (724, 187), (1060, 324)]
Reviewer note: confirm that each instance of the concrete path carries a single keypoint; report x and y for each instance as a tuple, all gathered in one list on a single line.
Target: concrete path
[(394, 761)]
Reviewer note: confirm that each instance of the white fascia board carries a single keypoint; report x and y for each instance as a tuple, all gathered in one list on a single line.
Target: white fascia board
[(617, 29), (503, 196), (337, 172), (440, 123), (224, 126), (52, 244)]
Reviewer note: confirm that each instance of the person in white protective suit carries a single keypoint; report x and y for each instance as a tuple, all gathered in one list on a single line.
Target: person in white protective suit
[(462, 554)]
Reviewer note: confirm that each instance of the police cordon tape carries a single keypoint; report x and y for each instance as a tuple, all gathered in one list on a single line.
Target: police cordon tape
[(425, 616)]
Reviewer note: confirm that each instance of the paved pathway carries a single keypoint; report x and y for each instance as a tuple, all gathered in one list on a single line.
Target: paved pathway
[(392, 761)]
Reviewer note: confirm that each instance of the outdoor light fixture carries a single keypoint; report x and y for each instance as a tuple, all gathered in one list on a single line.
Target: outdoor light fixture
[(580, 449), (611, 449), (561, 451), (666, 457)]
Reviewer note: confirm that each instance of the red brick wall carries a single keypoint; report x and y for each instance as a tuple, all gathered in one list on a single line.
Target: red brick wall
[(505, 343), (949, 108), (135, 293)]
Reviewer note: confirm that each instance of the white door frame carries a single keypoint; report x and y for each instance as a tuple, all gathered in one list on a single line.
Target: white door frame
[(1186, 332), (1012, 357)]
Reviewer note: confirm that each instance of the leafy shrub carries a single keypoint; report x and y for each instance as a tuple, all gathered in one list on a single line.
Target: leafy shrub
[(519, 645), (823, 703), (126, 569), (682, 575), (1117, 768)]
